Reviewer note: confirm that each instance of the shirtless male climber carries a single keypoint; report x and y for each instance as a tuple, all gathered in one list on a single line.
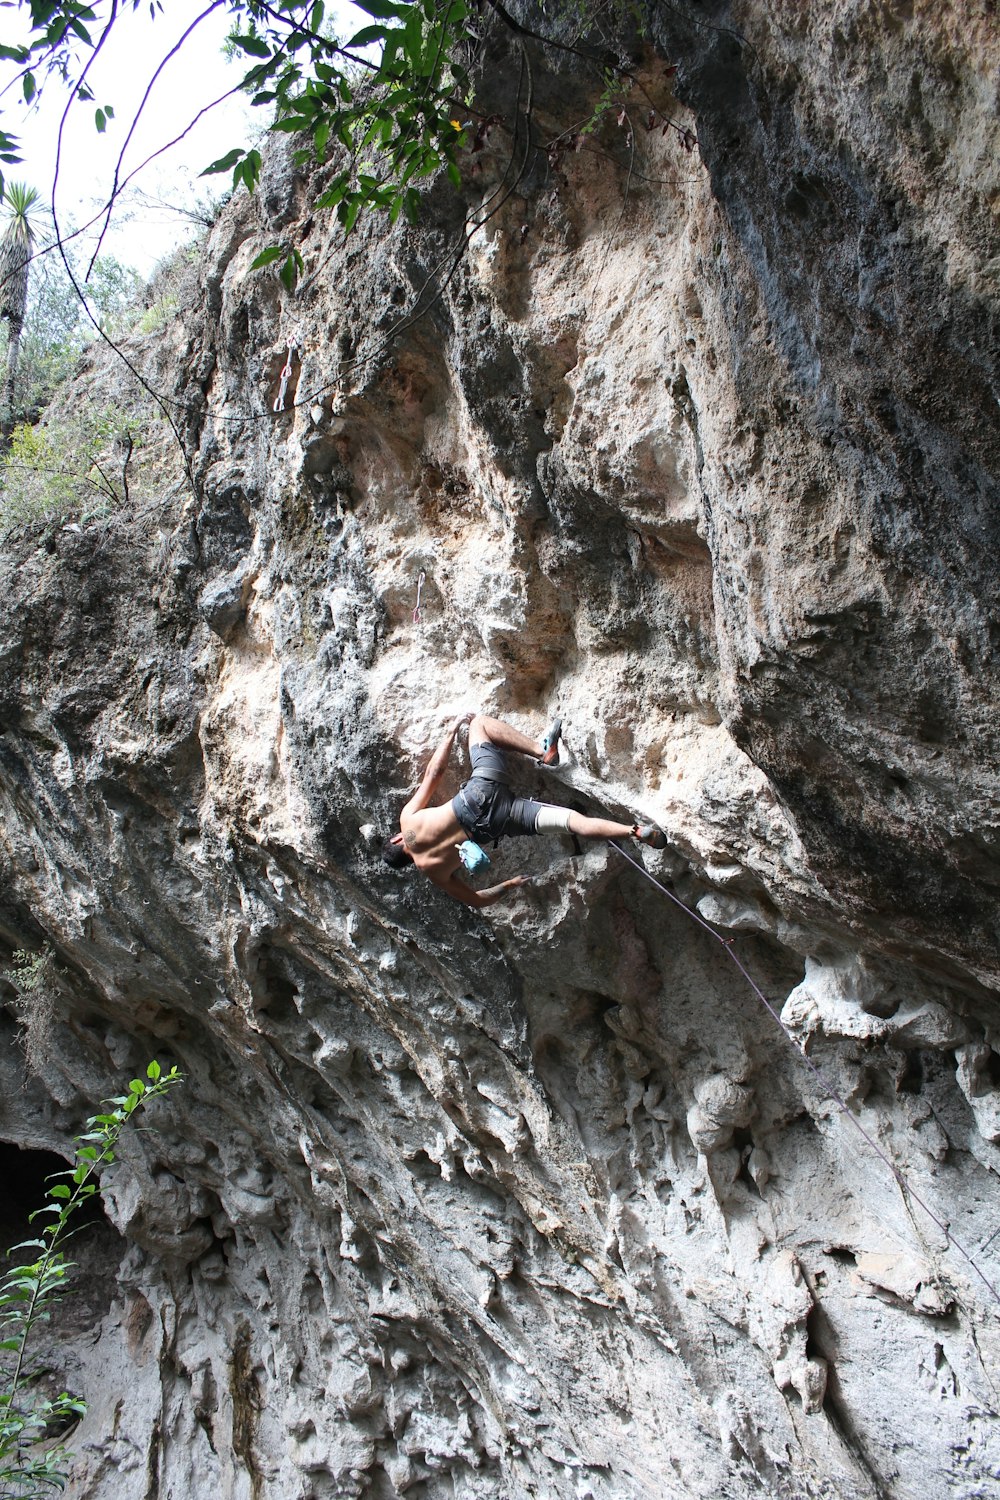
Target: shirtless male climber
[(486, 809)]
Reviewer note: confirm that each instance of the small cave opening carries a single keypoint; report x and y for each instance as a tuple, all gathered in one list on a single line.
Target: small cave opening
[(24, 1174), (97, 1247), (911, 1079), (743, 1141)]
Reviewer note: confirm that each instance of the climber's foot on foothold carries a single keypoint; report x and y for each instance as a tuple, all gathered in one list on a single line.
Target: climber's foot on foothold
[(550, 744), (648, 833)]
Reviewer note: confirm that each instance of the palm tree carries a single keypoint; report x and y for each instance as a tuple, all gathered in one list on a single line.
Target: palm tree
[(15, 257)]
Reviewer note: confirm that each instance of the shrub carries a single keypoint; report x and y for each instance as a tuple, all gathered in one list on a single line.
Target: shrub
[(33, 976), (73, 466), (30, 1465)]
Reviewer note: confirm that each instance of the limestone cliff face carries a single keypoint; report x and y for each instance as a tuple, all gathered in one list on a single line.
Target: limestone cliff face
[(697, 448)]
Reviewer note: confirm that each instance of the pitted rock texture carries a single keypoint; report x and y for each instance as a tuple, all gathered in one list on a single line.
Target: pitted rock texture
[(697, 448)]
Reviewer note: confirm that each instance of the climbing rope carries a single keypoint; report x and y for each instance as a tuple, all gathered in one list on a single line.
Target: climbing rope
[(824, 1083), (286, 375), (416, 611)]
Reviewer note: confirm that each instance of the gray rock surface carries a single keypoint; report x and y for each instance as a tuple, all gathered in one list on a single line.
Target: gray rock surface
[(698, 449)]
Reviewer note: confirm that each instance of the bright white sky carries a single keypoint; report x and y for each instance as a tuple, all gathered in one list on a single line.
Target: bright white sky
[(141, 232)]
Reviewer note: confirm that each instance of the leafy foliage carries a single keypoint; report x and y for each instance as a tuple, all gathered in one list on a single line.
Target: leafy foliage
[(386, 108), (393, 119), (387, 103), (29, 968), (388, 95), (56, 330), (73, 466), (31, 1466), (33, 976)]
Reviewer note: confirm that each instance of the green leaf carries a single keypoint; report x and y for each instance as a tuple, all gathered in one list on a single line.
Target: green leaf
[(454, 174), (391, 50), (253, 45), (374, 129), (265, 258), (153, 1071), (413, 38), (366, 36), (100, 120), (28, 85), (333, 194), (384, 10), (59, 1191), (223, 164)]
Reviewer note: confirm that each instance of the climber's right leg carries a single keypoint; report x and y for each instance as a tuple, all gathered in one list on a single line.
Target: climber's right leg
[(504, 736)]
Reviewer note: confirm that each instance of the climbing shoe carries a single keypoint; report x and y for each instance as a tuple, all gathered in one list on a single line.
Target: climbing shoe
[(550, 744), (648, 833)]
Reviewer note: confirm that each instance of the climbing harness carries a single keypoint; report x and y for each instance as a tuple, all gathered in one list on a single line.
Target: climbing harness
[(416, 611), (286, 375), (824, 1083), (472, 857)]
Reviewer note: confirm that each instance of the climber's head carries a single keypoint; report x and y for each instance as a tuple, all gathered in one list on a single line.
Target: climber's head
[(395, 854)]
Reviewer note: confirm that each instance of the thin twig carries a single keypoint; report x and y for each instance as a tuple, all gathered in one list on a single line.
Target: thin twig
[(69, 269), (135, 121)]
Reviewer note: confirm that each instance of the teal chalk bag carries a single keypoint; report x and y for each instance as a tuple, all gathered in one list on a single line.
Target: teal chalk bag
[(472, 857)]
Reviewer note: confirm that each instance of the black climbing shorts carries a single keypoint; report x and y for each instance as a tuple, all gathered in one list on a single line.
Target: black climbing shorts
[(488, 809)]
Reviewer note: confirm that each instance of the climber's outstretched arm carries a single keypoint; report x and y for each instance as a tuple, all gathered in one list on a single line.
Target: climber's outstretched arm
[(424, 795), (459, 891)]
